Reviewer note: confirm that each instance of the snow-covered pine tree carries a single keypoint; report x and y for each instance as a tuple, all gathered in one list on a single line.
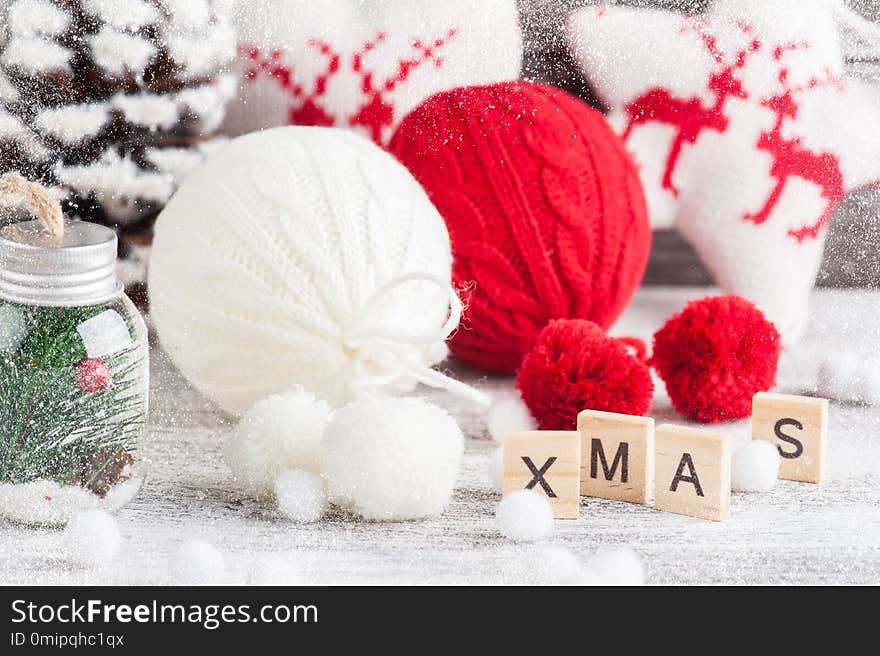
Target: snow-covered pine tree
[(111, 102)]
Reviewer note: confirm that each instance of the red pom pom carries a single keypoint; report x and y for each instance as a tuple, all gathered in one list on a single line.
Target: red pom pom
[(93, 375), (575, 366), (714, 356), (544, 207)]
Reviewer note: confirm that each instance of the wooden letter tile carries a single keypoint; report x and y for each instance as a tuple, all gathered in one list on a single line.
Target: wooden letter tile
[(547, 462), (797, 425), (692, 472), (617, 455)]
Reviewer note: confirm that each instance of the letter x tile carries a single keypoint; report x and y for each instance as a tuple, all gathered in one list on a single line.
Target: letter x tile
[(547, 462)]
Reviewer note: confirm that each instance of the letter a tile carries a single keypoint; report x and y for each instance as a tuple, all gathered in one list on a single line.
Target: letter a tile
[(547, 462), (692, 472), (617, 455), (797, 425)]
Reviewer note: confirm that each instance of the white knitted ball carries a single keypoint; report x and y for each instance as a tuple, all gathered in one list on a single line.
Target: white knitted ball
[(392, 459), (281, 261)]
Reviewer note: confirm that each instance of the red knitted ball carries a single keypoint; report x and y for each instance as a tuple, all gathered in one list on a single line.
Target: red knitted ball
[(544, 208), (714, 356), (575, 366)]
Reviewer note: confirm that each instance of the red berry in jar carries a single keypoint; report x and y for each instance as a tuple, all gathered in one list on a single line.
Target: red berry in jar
[(93, 375)]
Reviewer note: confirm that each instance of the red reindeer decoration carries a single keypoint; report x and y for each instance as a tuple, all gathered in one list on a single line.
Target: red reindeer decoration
[(375, 112), (691, 116), (791, 158)]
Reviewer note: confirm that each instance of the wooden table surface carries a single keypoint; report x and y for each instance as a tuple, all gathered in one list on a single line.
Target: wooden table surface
[(797, 533)]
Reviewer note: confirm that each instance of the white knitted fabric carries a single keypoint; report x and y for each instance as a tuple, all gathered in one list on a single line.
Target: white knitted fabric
[(269, 263), (365, 63), (778, 132)]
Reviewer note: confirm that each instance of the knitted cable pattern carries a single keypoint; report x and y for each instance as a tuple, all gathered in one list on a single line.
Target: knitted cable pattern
[(544, 209), (267, 262)]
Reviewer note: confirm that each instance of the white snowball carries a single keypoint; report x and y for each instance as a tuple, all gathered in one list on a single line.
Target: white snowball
[(836, 375), (507, 415), (524, 516), (92, 538), (557, 566), (300, 495), (273, 569), (849, 376), (279, 433), (621, 566), (495, 469), (869, 382), (196, 562), (392, 458), (754, 467)]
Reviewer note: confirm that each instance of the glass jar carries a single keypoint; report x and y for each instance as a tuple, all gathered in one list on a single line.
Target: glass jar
[(74, 375)]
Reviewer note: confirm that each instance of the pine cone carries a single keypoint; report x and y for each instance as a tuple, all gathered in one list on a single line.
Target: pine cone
[(112, 102)]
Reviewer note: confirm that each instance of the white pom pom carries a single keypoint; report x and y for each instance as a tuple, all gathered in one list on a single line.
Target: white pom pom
[(836, 375), (300, 496), (849, 376), (279, 433), (869, 382), (92, 538), (197, 562), (273, 569), (754, 467), (392, 458), (495, 469), (557, 566), (509, 415), (524, 516), (617, 567)]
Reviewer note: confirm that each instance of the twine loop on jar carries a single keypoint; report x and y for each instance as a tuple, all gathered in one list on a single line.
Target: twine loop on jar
[(16, 191)]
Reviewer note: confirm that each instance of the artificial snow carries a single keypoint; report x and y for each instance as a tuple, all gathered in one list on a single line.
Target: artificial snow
[(188, 15), (12, 129), (119, 53), (92, 538), (524, 516), (47, 503), (850, 377), (132, 269), (300, 496), (176, 161), (114, 180), (392, 458), (147, 110), (279, 433), (207, 103), (556, 566), (621, 566), (273, 569), (13, 327), (754, 466), (36, 17), (201, 54), (72, 124), (9, 93), (32, 55), (196, 562), (126, 15), (508, 415), (104, 334), (495, 469)]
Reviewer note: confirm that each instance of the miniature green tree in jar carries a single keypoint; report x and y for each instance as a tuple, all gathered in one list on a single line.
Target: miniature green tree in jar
[(74, 370)]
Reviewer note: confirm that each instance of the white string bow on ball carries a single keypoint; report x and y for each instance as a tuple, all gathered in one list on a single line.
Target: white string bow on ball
[(385, 348)]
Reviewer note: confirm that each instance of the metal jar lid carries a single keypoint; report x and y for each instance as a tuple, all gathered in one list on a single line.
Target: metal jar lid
[(75, 269)]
